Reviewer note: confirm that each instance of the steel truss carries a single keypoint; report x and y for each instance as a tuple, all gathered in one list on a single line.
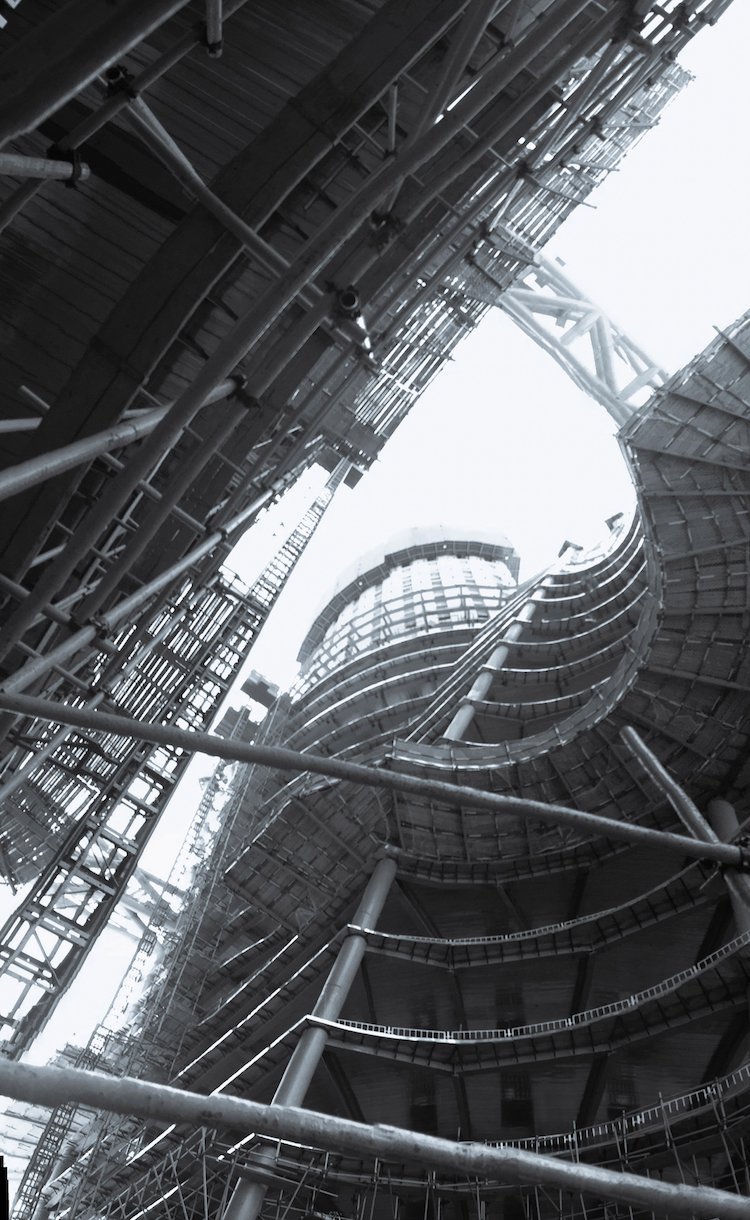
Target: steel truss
[(561, 319), (177, 667), (116, 1041)]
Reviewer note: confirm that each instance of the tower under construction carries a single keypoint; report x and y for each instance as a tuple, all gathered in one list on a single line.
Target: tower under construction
[(488, 914)]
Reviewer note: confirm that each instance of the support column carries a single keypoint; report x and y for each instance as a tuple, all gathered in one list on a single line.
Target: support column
[(464, 717), (248, 1197), (721, 814)]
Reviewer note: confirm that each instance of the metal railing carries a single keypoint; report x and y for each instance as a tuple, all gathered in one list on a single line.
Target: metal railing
[(587, 1017)]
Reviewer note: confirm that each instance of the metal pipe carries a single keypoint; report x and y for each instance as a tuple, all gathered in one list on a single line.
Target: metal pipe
[(45, 466), (722, 818), (19, 425), (463, 718), (62, 55), (471, 27), (336, 768), (684, 807), (18, 166), (53, 1086), (87, 533), (138, 542), (158, 139), (248, 1197), (690, 815), (95, 121), (48, 611), (114, 674), (129, 605), (253, 326)]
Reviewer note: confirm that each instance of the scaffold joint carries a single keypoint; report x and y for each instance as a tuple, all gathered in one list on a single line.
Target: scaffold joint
[(743, 844), (384, 226), (74, 156), (101, 628), (120, 80)]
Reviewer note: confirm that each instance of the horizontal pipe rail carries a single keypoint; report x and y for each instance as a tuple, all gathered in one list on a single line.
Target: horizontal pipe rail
[(624, 909), (373, 777), (36, 470), (19, 166), (52, 1086), (634, 1121)]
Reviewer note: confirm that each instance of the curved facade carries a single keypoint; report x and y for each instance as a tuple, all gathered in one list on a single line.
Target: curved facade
[(375, 649)]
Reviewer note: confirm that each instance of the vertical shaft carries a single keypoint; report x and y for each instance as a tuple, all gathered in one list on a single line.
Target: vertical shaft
[(248, 1197)]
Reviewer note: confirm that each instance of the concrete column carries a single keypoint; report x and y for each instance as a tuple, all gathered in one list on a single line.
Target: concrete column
[(248, 1197)]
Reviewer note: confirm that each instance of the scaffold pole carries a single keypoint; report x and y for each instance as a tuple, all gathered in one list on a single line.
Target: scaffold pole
[(690, 815), (373, 777), (49, 1086)]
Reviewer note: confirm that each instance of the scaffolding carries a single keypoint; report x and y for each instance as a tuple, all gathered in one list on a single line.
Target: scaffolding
[(179, 667), (308, 319)]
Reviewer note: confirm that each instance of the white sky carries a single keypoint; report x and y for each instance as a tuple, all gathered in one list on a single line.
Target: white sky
[(503, 437)]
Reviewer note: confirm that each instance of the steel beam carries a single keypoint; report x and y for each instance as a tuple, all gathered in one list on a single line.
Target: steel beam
[(52, 1086), (372, 777)]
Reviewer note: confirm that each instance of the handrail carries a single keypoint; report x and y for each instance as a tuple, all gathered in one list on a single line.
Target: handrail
[(586, 1017), (531, 933), (634, 1120)]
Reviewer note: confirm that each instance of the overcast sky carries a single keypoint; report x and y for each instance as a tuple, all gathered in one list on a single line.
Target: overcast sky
[(503, 438)]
